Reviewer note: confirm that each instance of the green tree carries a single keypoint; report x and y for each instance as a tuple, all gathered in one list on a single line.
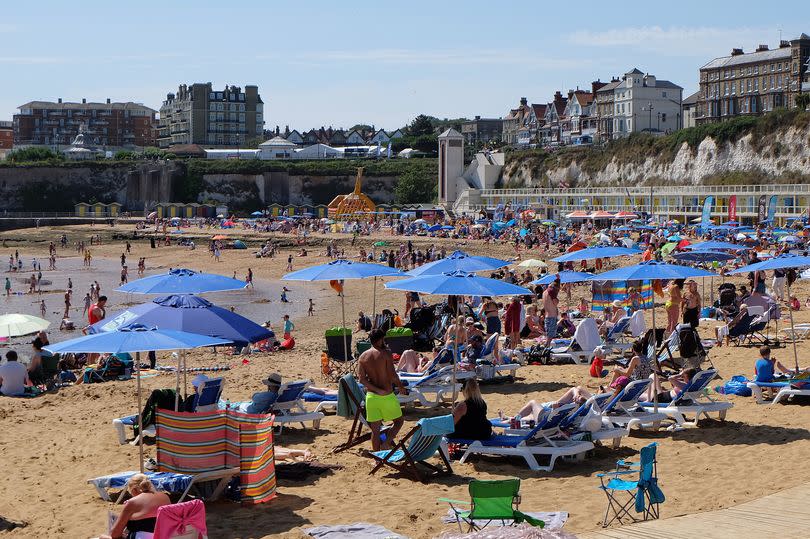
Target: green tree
[(32, 154), (421, 125), (416, 186), (125, 155), (803, 101)]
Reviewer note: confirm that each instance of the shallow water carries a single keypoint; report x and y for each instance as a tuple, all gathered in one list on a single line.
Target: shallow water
[(259, 304)]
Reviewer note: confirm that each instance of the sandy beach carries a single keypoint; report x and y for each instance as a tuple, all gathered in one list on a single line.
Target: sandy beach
[(50, 445)]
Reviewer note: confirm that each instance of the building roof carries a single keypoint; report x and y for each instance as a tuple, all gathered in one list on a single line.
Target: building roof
[(277, 142), (659, 83), (635, 71), (539, 110), (190, 150), (609, 87), (691, 100), (451, 133), (584, 98), (80, 106), (782, 53)]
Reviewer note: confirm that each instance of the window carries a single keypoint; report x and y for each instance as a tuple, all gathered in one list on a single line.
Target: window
[(733, 88), (664, 93), (664, 117), (219, 95), (212, 95)]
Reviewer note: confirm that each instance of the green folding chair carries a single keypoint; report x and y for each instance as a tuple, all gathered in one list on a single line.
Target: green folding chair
[(491, 501)]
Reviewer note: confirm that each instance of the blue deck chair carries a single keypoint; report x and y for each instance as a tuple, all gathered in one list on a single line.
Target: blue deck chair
[(615, 337), (693, 400), (206, 399), (644, 496), (625, 410), (289, 406), (413, 450)]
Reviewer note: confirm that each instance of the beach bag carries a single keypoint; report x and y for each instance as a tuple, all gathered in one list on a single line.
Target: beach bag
[(736, 386), (592, 422), (287, 344), (538, 355)]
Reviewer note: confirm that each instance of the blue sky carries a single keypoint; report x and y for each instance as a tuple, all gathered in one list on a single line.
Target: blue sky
[(339, 63)]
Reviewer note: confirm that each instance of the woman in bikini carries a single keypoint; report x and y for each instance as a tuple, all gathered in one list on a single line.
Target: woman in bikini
[(691, 304), (673, 304)]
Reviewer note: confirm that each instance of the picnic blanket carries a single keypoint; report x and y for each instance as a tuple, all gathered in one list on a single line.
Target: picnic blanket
[(553, 520)]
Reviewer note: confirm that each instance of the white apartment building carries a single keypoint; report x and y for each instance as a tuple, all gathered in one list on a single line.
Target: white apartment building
[(644, 104)]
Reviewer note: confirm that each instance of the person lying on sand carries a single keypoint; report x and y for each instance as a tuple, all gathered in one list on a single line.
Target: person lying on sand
[(292, 455)]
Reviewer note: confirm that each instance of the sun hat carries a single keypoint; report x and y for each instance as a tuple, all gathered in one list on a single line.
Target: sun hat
[(273, 379), (620, 382), (616, 303), (469, 320)]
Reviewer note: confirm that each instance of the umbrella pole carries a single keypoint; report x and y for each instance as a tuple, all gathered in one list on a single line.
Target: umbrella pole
[(185, 377), (455, 360), (793, 332), (655, 347), (374, 301), (140, 418), (177, 386), (343, 326)]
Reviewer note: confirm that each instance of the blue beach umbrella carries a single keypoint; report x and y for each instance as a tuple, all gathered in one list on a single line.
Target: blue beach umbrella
[(188, 313), (458, 283), (135, 338), (182, 281), (434, 228), (592, 253), (713, 245), (781, 262), (458, 261), (340, 270), (257, 213), (703, 256), (565, 277)]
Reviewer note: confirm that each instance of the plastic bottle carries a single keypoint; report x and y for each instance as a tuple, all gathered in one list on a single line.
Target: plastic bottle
[(517, 421), (324, 363)]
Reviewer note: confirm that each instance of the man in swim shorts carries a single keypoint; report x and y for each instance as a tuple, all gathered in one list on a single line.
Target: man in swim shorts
[(375, 370)]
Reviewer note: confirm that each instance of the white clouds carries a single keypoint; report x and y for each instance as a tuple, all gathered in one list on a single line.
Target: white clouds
[(673, 40)]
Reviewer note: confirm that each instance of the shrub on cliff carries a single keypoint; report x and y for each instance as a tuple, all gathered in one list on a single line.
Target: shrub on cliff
[(33, 154)]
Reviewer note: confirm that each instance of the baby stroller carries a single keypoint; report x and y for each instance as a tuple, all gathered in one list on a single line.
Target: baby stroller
[(422, 324), (727, 299), (683, 349)]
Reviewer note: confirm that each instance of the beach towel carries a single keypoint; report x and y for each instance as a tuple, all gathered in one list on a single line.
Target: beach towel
[(522, 531), (358, 530), (553, 520), (173, 519), (209, 441), (738, 385)]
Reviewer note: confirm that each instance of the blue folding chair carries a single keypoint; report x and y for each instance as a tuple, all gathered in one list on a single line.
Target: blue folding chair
[(643, 495), (423, 441)]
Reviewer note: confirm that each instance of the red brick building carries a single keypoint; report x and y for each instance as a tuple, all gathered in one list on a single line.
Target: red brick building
[(6, 136), (106, 125)]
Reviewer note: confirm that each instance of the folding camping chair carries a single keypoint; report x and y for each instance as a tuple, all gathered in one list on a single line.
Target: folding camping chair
[(644, 495), (351, 403), (491, 501), (423, 441)]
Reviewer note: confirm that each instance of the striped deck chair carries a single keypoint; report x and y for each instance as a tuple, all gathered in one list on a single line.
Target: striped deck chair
[(420, 444), (205, 400)]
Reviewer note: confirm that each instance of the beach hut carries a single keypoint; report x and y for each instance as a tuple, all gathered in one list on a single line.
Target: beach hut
[(99, 209), (114, 209), (275, 210), (190, 210), (82, 209), (290, 210), (321, 211)]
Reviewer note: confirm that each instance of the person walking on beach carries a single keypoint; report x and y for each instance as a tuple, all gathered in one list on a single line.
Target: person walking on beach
[(249, 278), (68, 295), (375, 370), (87, 302), (8, 288), (289, 262), (124, 275), (42, 309), (70, 283), (310, 312), (284, 291)]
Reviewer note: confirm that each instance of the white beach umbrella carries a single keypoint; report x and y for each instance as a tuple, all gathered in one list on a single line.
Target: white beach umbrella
[(14, 325)]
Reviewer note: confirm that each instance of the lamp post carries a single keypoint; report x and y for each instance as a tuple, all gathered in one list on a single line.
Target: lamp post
[(650, 109), (658, 125)]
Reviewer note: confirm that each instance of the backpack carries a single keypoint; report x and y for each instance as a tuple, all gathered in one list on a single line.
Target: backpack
[(689, 342)]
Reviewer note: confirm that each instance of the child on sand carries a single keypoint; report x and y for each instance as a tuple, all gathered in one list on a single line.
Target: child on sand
[(288, 327), (284, 291)]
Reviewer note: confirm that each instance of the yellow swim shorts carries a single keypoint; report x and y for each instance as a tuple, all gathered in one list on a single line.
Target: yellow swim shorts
[(382, 407)]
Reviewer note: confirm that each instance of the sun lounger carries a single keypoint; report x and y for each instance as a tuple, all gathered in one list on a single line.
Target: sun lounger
[(164, 481), (693, 400), (581, 347), (615, 339), (573, 422), (529, 445), (289, 406), (421, 443), (206, 399), (625, 410), (439, 384), (787, 389)]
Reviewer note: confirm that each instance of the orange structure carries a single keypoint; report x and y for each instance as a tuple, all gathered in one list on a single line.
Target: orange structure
[(349, 206)]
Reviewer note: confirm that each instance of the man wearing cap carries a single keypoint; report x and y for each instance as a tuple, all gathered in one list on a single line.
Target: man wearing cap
[(261, 401), (375, 370)]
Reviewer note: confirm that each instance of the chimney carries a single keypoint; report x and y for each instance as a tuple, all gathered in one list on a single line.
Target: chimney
[(60, 100), (477, 117), (762, 48), (84, 100), (108, 100), (784, 44), (736, 52), (523, 101)]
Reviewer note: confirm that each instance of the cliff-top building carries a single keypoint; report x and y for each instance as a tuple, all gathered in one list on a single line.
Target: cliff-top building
[(107, 125), (198, 114), (752, 83)]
